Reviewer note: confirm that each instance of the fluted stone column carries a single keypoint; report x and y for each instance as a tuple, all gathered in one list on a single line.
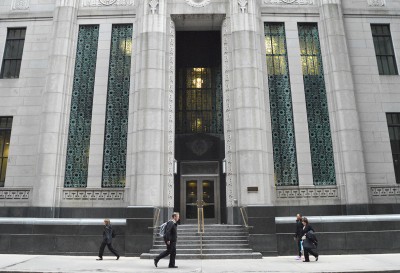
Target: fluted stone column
[(53, 120), (248, 109), (349, 151), (149, 151)]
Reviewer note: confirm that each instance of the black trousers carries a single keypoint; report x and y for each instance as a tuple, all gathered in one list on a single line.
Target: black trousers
[(110, 247), (308, 251), (171, 251), (298, 240)]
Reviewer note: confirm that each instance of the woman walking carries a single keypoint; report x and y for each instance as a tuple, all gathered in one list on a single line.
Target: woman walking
[(309, 241)]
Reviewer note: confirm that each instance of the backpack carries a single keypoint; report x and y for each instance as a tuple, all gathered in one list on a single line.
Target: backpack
[(163, 228)]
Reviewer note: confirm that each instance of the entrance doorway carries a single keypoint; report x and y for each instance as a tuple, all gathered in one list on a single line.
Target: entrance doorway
[(199, 130), (200, 192)]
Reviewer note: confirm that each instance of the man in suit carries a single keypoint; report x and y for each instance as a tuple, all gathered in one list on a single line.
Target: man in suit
[(297, 235), (107, 240), (170, 238)]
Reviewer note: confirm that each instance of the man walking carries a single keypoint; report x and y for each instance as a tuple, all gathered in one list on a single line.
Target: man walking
[(170, 238), (297, 235), (107, 240)]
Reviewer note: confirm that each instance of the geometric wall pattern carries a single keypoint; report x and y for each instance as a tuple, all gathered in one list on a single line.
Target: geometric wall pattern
[(323, 166), (116, 124), (76, 169), (280, 96)]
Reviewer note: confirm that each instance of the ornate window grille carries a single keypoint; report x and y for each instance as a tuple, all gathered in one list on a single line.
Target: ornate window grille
[(80, 120), (13, 53), (116, 127), (322, 160), (5, 135), (199, 101), (283, 134)]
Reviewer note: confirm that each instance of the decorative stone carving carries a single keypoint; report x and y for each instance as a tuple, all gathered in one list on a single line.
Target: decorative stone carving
[(153, 6), (20, 5), (376, 3), (14, 194), (226, 31), (306, 192), (293, 2), (385, 191), (95, 194), (198, 3), (171, 114), (243, 5), (103, 3)]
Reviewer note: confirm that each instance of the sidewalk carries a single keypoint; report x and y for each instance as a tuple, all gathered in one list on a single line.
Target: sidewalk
[(332, 263)]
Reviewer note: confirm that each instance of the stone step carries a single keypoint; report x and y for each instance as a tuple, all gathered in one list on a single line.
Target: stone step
[(205, 246), (207, 237), (205, 242), (205, 251), (253, 255)]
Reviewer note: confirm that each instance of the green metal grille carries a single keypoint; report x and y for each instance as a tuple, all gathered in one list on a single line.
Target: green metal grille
[(283, 135), (116, 127), (80, 121), (323, 166)]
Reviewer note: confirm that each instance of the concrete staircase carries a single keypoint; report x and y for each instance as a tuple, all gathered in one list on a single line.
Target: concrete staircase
[(217, 242)]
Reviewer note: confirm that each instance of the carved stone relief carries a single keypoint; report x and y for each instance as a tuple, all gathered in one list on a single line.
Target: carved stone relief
[(312, 192), (103, 3), (90, 195), (198, 3), (171, 114), (20, 5), (293, 2), (153, 6), (243, 5), (14, 194), (376, 3)]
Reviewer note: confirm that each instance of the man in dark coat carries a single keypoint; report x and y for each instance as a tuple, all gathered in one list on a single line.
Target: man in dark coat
[(309, 241), (170, 238), (107, 240), (297, 235)]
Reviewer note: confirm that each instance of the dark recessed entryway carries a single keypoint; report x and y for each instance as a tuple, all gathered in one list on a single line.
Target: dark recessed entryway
[(199, 130)]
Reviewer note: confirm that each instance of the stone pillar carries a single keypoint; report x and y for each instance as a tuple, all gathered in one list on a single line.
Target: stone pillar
[(349, 158), (248, 104), (149, 151), (53, 126)]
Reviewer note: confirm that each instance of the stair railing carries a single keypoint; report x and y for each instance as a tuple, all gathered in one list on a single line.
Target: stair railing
[(156, 217), (245, 218), (200, 220)]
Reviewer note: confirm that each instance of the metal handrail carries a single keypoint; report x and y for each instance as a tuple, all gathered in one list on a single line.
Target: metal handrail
[(156, 218), (200, 220), (244, 217)]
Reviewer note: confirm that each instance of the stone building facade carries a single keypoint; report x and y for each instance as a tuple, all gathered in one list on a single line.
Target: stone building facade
[(283, 104)]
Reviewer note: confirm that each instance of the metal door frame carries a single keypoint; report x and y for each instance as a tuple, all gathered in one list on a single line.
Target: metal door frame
[(217, 198)]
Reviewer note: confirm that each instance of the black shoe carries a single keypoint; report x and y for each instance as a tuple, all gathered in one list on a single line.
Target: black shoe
[(316, 258), (99, 259), (155, 262), (117, 257), (174, 266), (306, 261)]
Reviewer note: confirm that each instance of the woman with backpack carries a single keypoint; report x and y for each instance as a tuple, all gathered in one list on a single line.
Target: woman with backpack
[(108, 234), (309, 241)]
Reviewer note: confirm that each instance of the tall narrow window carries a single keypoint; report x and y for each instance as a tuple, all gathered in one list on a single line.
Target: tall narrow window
[(80, 120), (393, 120), (384, 49), (280, 96), (13, 53), (319, 131), (5, 134), (116, 131), (199, 101)]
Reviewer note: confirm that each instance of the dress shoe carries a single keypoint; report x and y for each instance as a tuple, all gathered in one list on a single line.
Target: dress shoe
[(99, 259), (155, 262), (316, 258), (173, 266), (306, 261), (117, 257)]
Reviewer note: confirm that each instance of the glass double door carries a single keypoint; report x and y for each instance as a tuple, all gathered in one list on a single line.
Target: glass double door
[(200, 193)]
